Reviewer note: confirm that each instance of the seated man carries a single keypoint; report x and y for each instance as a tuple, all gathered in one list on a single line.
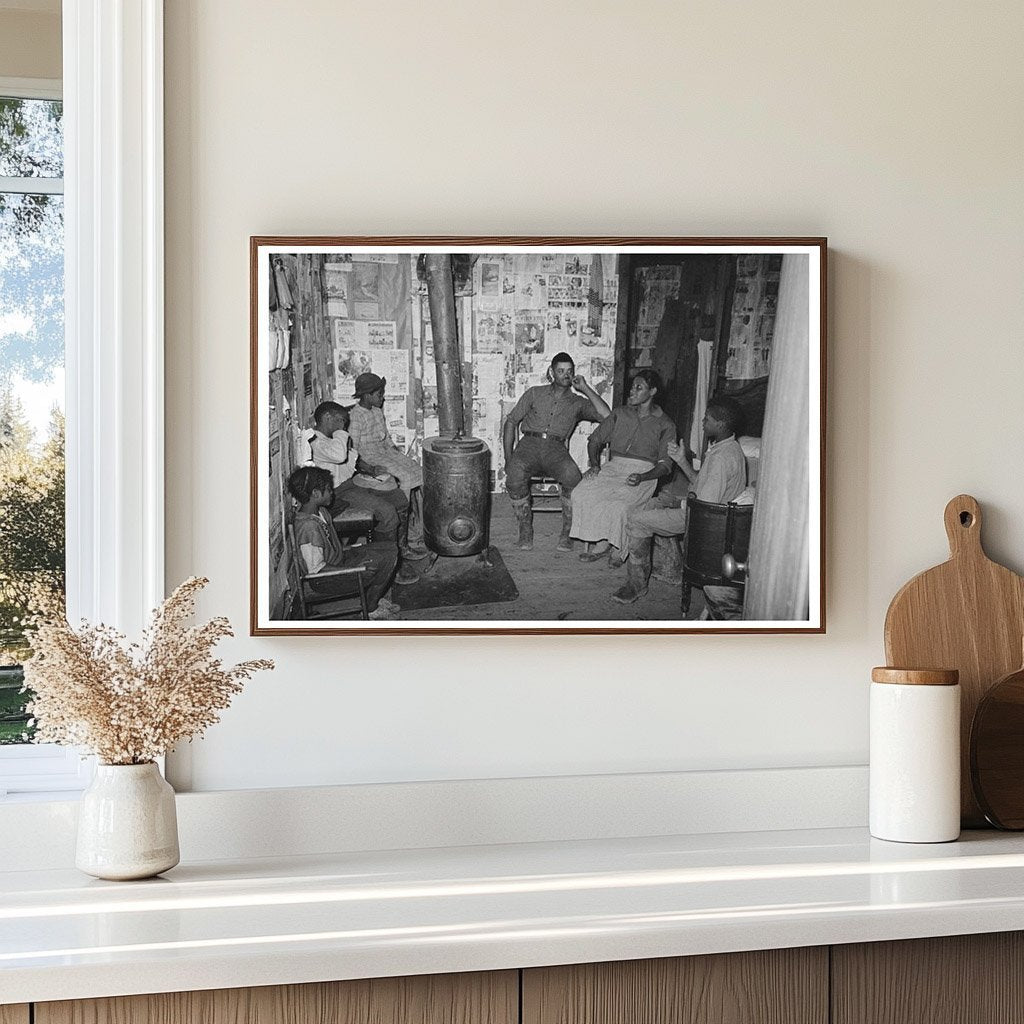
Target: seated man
[(331, 449), (638, 434), (548, 414), (320, 549), (722, 477)]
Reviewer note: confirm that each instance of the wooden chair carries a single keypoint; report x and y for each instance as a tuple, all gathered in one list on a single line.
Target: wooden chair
[(714, 533), (309, 598)]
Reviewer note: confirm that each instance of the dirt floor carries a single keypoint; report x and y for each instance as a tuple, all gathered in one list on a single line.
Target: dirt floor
[(556, 585)]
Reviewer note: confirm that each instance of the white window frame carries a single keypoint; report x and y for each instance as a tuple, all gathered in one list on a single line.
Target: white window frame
[(37, 767), (114, 334), (31, 89)]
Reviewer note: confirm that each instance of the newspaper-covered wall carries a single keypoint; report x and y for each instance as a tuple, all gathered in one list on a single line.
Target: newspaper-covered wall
[(350, 314), (515, 311)]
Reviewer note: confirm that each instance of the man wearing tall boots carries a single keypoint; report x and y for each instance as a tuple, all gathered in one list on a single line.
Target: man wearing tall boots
[(547, 415)]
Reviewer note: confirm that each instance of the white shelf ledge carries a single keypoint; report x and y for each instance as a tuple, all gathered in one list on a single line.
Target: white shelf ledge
[(353, 915)]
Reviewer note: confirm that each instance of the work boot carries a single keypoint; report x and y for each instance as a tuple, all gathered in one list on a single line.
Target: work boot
[(666, 574), (410, 551), (411, 554), (565, 541), (406, 574), (671, 568), (638, 570), (524, 514)]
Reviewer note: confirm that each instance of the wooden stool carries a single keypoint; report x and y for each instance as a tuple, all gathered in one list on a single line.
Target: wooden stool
[(545, 494), (354, 522)]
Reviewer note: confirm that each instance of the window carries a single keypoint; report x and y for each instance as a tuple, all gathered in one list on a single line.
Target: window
[(31, 381), (113, 330), (32, 533)]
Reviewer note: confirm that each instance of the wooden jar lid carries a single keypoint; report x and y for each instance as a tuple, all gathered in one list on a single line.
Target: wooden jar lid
[(916, 676)]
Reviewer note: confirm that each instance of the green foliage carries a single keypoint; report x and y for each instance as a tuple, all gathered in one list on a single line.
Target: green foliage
[(31, 524), (14, 727)]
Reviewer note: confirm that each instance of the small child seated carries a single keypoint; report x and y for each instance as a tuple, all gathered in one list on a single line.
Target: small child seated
[(321, 550)]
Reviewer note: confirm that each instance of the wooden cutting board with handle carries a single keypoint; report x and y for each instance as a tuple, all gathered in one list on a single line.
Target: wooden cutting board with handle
[(967, 614)]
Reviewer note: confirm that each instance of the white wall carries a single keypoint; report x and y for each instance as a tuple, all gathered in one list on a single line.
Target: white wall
[(30, 41), (895, 129)]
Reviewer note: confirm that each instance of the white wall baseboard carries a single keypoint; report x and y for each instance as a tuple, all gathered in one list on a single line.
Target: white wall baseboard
[(292, 822)]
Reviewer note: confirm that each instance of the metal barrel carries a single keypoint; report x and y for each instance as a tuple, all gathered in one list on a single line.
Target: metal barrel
[(456, 495)]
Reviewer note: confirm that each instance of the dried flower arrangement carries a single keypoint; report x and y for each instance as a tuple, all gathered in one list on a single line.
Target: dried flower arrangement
[(129, 704)]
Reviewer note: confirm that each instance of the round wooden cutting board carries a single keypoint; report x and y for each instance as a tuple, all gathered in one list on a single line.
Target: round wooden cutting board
[(967, 614), (997, 752)]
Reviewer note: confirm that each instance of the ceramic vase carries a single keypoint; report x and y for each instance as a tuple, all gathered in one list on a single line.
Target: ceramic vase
[(127, 825)]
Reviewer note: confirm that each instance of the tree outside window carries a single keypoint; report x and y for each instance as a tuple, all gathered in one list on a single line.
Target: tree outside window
[(32, 531)]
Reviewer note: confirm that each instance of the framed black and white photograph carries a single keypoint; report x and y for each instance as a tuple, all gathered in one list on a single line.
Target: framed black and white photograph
[(537, 435)]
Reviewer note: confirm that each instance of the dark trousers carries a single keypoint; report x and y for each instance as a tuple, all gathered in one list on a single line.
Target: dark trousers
[(381, 559), (386, 506), (538, 456)]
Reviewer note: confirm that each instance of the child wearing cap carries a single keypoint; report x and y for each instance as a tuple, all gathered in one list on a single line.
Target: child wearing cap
[(371, 437)]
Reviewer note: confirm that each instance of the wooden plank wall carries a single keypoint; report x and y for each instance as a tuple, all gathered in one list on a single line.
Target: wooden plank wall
[(295, 391)]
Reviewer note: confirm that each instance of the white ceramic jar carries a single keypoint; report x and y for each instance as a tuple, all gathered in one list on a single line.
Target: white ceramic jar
[(915, 755), (127, 823)]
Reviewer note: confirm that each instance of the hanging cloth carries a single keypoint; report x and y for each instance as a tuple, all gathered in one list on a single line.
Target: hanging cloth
[(284, 294), (273, 288), (700, 398), (280, 327)]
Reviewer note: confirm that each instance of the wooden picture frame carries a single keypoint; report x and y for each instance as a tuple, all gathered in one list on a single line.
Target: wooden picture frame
[(739, 319)]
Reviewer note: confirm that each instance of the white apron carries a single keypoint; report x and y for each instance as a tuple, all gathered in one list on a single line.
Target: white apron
[(601, 506)]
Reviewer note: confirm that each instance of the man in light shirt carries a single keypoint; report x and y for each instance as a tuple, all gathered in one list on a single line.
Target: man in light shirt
[(721, 478), (547, 416)]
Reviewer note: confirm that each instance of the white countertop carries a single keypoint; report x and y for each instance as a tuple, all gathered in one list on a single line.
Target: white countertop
[(225, 924)]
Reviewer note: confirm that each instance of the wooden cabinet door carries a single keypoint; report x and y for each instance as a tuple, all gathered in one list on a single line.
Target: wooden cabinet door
[(777, 986), (481, 998), (14, 1014), (960, 979)]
